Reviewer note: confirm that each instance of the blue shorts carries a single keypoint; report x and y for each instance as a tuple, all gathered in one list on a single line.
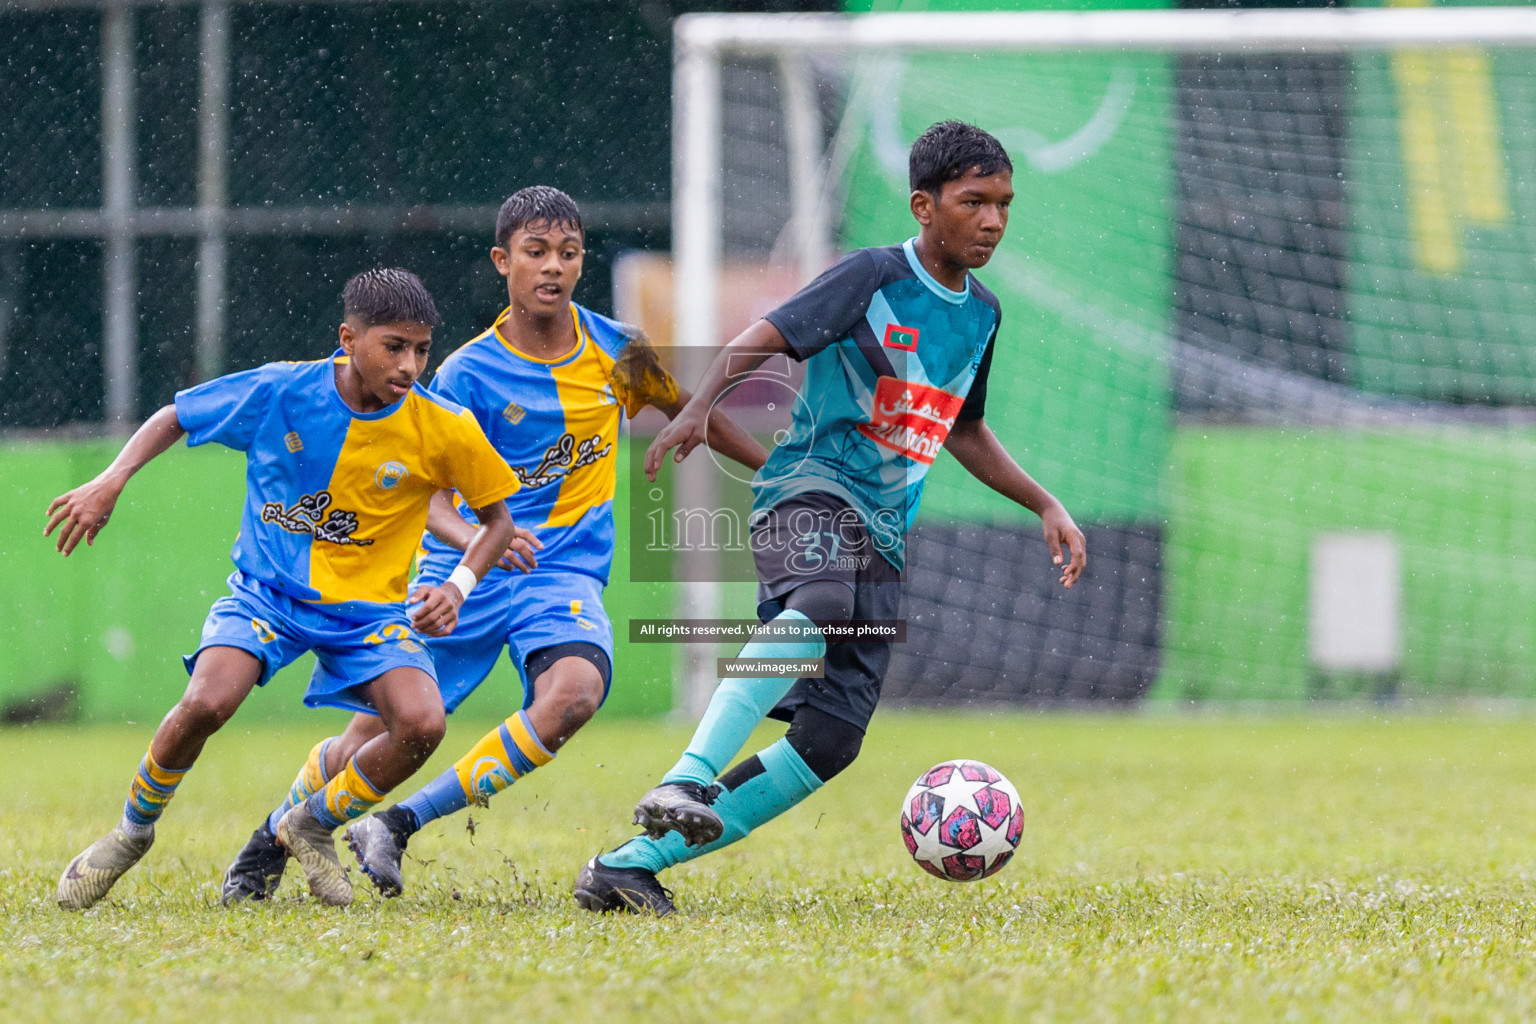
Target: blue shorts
[(523, 613), (277, 629)]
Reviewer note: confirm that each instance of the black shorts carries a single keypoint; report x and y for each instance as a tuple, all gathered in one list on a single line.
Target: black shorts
[(816, 536)]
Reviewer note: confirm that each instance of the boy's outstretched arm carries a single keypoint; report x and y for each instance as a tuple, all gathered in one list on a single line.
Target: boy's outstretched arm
[(445, 523), (437, 607), (725, 435), (975, 447), (83, 512), (690, 427)]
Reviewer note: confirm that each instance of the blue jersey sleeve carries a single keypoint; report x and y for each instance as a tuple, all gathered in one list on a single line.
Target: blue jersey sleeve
[(825, 311), (227, 410), (448, 383), (456, 380)]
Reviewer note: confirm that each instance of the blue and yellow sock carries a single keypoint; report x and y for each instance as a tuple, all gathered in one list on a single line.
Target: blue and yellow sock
[(151, 789), (500, 758), (310, 780), (349, 795), (738, 705), (784, 781)]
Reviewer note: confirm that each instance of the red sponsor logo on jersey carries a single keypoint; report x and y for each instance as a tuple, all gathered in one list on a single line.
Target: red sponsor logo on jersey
[(913, 419), (897, 336)]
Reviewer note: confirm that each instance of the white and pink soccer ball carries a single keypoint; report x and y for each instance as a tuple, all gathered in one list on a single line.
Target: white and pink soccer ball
[(962, 820)]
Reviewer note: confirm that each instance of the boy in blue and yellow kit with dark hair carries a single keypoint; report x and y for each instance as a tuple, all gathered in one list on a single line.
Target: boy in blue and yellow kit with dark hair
[(343, 457), (551, 382)]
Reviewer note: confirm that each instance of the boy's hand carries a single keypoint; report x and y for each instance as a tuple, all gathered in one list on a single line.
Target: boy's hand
[(685, 433), (1060, 529), (81, 513), (519, 554), (437, 609)]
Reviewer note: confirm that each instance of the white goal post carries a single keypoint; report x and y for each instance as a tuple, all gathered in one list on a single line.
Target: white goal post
[(703, 41)]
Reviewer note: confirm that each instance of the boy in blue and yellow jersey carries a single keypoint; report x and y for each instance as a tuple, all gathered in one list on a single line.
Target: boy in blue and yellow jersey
[(898, 344), (551, 383), (343, 458)]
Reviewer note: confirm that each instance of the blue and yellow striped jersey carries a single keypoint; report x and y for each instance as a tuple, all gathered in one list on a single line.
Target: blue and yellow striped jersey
[(336, 500), (556, 423)]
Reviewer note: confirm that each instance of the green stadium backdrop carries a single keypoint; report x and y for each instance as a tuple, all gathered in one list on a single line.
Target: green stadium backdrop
[(1196, 318), (1131, 284)]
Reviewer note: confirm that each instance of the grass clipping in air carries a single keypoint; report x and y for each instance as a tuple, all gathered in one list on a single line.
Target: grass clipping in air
[(1341, 868)]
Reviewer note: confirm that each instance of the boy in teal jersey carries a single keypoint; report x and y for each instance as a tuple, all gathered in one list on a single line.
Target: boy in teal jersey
[(898, 345), (551, 382), (343, 457)]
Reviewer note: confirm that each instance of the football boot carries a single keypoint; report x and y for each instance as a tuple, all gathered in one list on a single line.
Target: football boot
[(379, 849), (681, 807), (314, 847), (257, 869), (91, 874), (602, 889)]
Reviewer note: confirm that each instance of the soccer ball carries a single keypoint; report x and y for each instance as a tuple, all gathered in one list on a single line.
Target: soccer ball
[(962, 820)]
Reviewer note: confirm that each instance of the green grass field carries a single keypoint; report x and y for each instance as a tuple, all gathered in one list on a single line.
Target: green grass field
[(1353, 867)]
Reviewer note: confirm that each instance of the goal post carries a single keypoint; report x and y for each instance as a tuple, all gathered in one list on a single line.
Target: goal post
[(703, 35), (1253, 384)]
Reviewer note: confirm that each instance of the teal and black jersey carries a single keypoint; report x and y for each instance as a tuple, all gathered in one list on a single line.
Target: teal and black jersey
[(893, 359)]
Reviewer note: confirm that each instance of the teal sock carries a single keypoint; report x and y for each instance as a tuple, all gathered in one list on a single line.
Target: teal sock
[(785, 781), (738, 705)]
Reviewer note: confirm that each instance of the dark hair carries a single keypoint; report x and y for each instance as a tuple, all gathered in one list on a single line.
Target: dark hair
[(949, 151), (388, 295), (536, 203)]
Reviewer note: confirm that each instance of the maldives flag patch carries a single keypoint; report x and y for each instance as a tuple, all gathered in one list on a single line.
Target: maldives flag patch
[(897, 336)]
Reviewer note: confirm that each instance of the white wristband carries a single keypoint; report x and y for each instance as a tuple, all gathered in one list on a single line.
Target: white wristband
[(464, 578)]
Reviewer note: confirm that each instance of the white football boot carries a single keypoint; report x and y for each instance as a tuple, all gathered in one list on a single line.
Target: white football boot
[(91, 874)]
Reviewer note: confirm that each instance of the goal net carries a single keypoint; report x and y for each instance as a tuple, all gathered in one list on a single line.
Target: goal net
[(1269, 331)]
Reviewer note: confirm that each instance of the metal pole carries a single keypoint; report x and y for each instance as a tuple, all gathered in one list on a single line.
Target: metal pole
[(696, 245), (212, 188), (802, 129), (120, 334)]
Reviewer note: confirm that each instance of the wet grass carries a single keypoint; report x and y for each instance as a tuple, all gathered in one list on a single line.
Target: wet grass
[(1355, 867)]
